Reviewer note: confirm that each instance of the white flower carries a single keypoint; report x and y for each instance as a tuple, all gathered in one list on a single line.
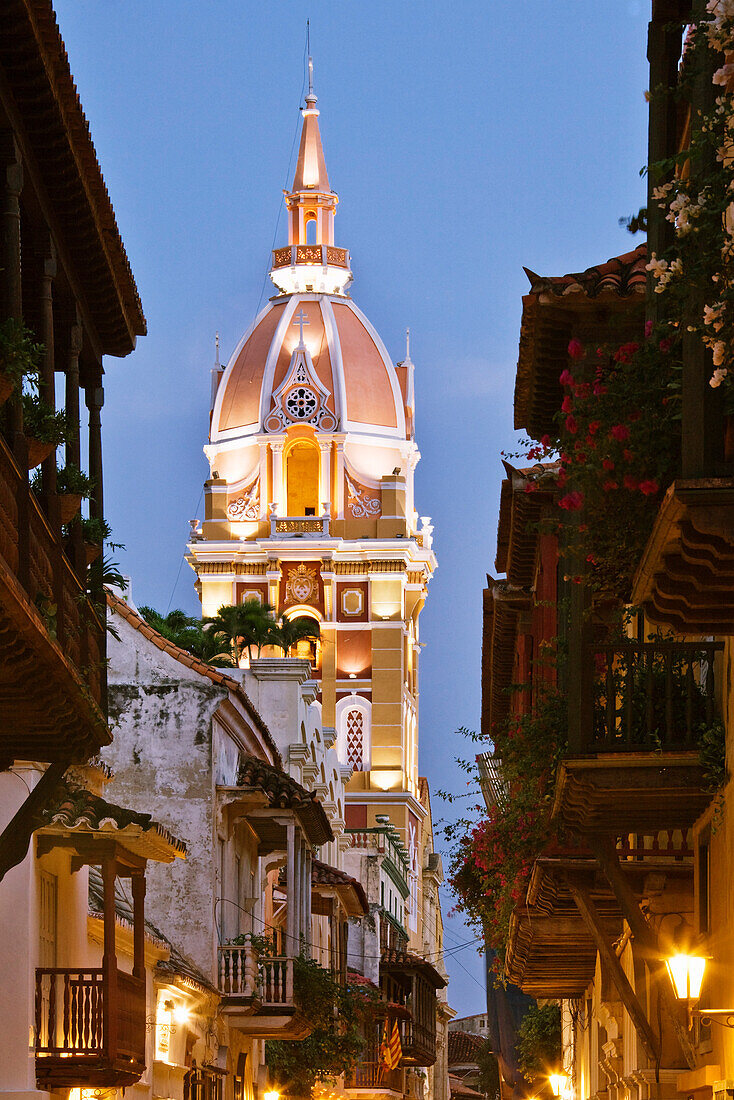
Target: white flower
[(658, 267), (717, 377), (712, 316), (719, 353)]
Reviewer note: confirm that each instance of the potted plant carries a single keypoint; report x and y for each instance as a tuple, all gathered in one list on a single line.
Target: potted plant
[(72, 487), (94, 532), (44, 428), (19, 357)]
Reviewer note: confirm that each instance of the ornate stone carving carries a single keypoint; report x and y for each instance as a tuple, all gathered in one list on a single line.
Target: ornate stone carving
[(302, 586), (246, 507), (359, 504)]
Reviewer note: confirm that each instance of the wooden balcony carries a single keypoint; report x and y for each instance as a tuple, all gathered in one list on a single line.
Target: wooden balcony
[(257, 993), (550, 951), (686, 574), (635, 718), (409, 983), (90, 1031), (374, 1076), (52, 671)]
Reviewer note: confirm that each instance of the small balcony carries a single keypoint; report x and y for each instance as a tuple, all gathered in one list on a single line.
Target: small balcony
[(257, 993), (636, 715), (90, 1030), (298, 526), (375, 1077), (327, 255)]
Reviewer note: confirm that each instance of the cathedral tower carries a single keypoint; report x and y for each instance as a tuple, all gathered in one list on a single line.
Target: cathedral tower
[(309, 505)]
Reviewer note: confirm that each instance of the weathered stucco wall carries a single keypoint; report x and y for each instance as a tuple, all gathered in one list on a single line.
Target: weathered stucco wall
[(162, 759)]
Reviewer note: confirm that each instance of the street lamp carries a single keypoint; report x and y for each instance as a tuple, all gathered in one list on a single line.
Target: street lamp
[(273, 1094), (558, 1083), (686, 973)]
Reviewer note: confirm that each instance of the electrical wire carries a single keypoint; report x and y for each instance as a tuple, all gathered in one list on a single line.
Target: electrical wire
[(180, 564)]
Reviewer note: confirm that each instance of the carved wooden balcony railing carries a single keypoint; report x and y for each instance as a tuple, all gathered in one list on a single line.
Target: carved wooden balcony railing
[(393, 937), (86, 1037), (419, 1038), (49, 634), (374, 1076)]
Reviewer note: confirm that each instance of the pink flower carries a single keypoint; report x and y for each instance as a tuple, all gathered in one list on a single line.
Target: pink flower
[(571, 425), (648, 328), (565, 378), (576, 349), (567, 405), (626, 352), (599, 390), (666, 344), (530, 487), (607, 464), (572, 502), (545, 442), (620, 432), (649, 488), (582, 389), (609, 485), (594, 427)]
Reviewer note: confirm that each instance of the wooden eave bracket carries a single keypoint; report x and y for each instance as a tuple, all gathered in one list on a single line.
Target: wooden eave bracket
[(604, 849), (627, 995)]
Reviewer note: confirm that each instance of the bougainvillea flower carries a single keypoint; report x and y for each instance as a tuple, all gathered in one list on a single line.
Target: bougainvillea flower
[(572, 502), (648, 328), (649, 487), (620, 432), (665, 344), (609, 485), (565, 378), (599, 390), (571, 425), (576, 349), (567, 405), (607, 464), (628, 456), (626, 352)]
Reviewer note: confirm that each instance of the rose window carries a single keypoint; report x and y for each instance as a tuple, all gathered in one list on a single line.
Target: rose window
[(301, 403)]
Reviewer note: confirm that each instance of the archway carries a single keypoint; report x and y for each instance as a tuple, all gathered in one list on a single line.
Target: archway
[(302, 474)]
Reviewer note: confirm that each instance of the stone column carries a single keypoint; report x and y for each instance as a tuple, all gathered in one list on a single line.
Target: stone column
[(338, 494), (325, 477), (265, 496), (277, 494)]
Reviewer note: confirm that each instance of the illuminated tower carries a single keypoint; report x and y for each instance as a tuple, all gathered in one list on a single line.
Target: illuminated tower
[(310, 502)]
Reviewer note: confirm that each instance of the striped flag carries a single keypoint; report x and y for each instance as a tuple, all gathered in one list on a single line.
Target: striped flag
[(391, 1050)]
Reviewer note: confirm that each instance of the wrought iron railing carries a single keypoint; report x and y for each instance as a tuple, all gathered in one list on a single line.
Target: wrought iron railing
[(650, 696)]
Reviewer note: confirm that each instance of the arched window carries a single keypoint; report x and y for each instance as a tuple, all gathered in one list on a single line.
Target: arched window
[(353, 732), (302, 472), (311, 229)]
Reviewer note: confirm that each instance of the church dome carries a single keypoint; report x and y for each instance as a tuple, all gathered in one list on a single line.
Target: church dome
[(309, 359), (312, 357)]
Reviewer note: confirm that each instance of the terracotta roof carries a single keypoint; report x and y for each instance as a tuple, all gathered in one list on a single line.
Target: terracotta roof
[(76, 810), (620, 276), (322, 874), (463, 1047), (118, 607), (55, 139), (460, 1091), (603, 304), (177, 963), (406, 960), (284, 792)]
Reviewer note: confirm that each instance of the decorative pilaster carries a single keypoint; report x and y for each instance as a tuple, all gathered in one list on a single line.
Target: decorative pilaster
[(277, 493), (325, 476)]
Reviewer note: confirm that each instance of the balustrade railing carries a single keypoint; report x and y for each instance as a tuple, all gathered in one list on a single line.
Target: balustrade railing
[(243, 974), (71, 1014), (650, 696), (299, 525), (324, 254), (373, 1075)]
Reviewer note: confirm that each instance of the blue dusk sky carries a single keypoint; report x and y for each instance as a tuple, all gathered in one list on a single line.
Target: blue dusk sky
[(465, 141)]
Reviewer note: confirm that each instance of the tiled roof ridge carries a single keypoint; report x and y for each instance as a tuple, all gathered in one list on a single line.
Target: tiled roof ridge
[(283, 791), (77, 808), (327, 875), (119, 607), (409, 958), (621, 275)]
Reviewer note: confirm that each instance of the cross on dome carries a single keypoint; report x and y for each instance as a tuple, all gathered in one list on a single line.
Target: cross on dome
[(301, 320)]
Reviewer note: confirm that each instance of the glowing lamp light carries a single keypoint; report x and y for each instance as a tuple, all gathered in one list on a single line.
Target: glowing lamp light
[(180, 1014), (272, 1094), (686, 973), (558, 1083)]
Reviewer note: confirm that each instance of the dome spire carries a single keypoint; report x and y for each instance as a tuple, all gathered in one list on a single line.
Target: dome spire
[(311, 262)]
